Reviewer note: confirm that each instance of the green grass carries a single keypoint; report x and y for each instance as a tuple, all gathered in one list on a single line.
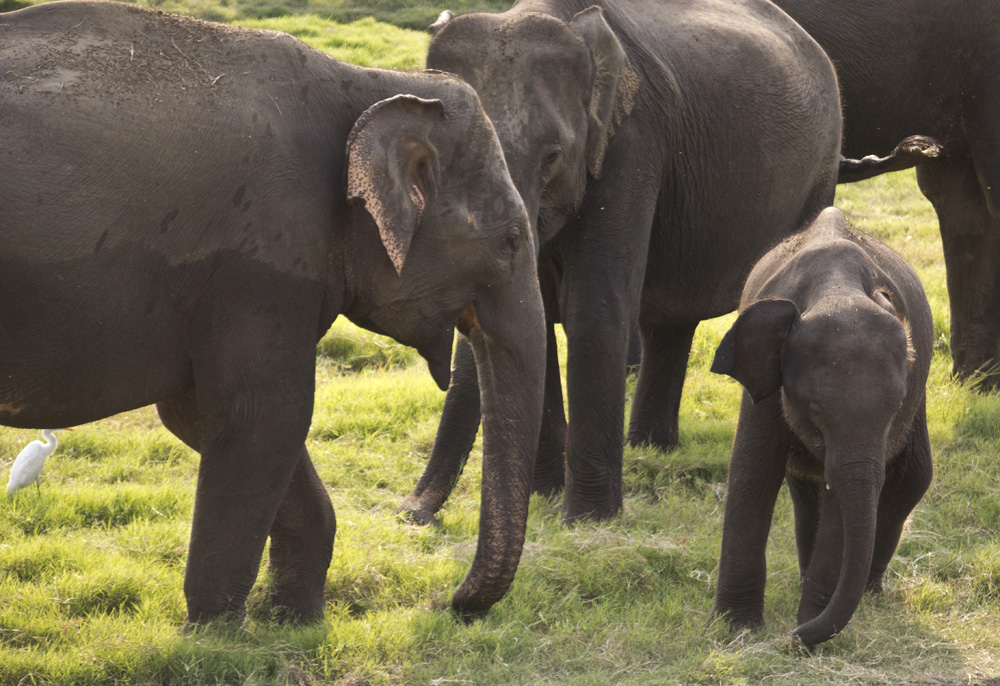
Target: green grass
[(409, 14), (91, 568)]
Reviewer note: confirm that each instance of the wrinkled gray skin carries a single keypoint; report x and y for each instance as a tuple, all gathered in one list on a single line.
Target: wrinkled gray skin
[(186, 207), (660, 148), (833, 346), (930, 67)]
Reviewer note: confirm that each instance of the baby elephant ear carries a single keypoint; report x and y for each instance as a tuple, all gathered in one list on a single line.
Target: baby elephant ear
[(393, 167), (750, 352)]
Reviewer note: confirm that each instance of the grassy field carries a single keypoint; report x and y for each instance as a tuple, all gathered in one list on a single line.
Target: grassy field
[(410, 14), (91, 567)]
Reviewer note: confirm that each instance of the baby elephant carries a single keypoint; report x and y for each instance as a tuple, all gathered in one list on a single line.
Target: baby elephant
[(833, 347)]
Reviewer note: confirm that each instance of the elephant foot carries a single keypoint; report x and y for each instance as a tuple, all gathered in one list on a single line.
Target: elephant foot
[(417, 513), (664, 441), (549, 477), (547, 487), (296, 606), (984, 377), (574, 513), (874, 585), (231, 612), (737, 622)]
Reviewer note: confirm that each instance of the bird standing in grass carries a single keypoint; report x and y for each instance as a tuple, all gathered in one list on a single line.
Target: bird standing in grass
[(27, 465)]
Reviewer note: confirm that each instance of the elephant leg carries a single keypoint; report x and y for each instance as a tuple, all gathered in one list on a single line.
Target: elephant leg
[(453, 443), (550, 465), (970, 235), (302, 532), (907, 478), (657, 399), (180, 416), (821, 576), (302, 537), (807, 502), (604, 262), (756, 469), (254, 379), (634, 356)]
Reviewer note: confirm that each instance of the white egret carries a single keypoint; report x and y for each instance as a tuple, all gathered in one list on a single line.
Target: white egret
[(27, 467)]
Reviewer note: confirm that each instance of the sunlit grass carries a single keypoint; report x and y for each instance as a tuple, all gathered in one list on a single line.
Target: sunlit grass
[(92, 565)]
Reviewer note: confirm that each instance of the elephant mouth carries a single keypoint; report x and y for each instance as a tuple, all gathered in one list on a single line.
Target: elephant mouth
[(438, 356)]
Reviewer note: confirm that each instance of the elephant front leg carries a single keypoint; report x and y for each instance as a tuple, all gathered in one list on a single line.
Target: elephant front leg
[(254, 379), (970, 236), (550, 465), (604, 262), (907, 479), (657, 399), (302, 537), (823, 573), (455, 436), (756, 469), (807, 503), (241, 481)]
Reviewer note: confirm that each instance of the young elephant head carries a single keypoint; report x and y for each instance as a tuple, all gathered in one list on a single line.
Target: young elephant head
[(555, 90), (840, 327)]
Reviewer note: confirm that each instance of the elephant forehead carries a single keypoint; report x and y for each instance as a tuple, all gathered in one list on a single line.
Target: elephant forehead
[(526, 47)]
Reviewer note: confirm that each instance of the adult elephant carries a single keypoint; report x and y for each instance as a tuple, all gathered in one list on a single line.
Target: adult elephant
[(660, 148), (930, 67), (177, 227)]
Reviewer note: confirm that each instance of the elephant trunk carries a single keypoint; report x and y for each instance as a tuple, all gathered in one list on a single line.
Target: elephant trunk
[(855, 486), (507, 335)]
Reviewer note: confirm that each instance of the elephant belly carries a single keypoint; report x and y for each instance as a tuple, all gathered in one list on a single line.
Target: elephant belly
[(85, 339)]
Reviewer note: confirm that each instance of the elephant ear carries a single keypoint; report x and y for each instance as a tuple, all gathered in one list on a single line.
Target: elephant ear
[(393, 167), (442, 19), (615, 84), (751, 350)]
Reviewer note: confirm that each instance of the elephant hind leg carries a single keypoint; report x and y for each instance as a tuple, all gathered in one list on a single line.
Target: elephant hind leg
[(657, 399), (970, 235), (302, 537)]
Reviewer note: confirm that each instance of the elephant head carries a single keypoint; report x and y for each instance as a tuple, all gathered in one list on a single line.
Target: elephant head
[(451, 244), (555, 90)]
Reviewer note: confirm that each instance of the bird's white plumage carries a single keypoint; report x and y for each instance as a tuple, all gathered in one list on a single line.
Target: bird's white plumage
[(27, 467)]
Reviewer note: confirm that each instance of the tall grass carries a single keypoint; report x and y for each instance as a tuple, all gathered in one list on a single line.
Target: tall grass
[(91, 566)]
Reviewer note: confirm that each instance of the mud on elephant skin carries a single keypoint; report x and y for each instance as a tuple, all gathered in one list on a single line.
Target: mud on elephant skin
[(644, 138), (186, 207), (929, 67), (833, 346)]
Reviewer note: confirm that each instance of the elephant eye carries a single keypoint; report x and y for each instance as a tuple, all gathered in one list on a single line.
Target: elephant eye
[(553, 155)]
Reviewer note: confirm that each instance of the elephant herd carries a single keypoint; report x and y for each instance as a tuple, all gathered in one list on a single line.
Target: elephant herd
[(186, 207)]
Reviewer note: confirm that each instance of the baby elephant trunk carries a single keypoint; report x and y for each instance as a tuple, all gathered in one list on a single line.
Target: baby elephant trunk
[(854, 487)]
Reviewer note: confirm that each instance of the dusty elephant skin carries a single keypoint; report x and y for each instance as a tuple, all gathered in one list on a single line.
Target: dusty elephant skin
[(833, 346), (186, 207), (660, 148), (930, 67)]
